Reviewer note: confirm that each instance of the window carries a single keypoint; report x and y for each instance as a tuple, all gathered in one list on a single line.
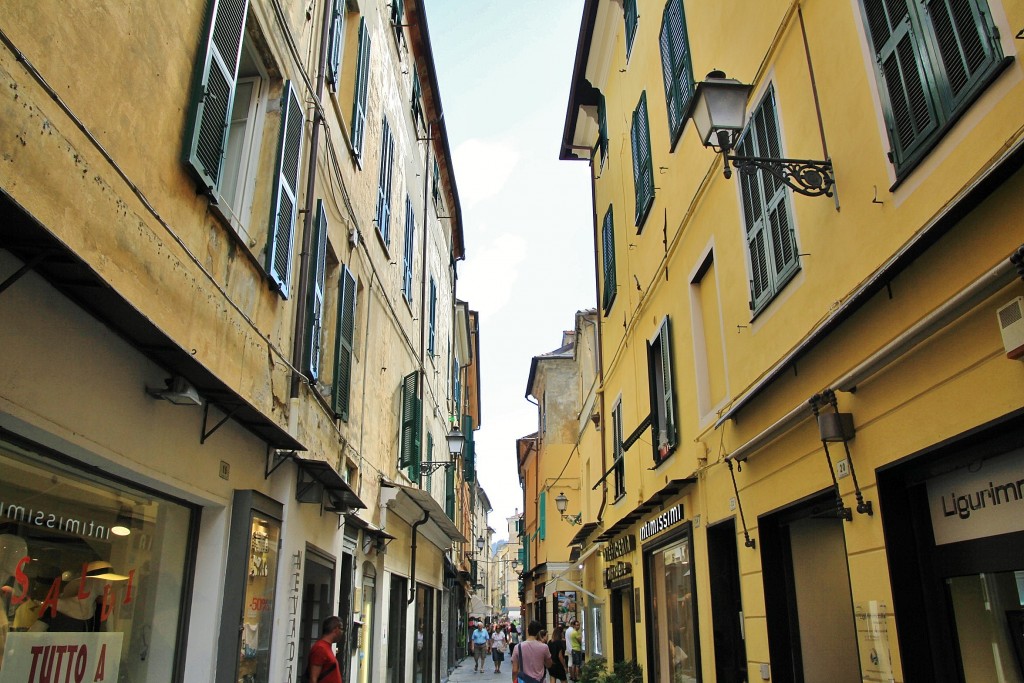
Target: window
[(361, 89), (387, 152), (449, 492), (618, 460), (409, 453), (663, 414), (334, 44), (457, 385), (542, 515), (631, 17), (643, 174), (676, 66), (771, 238), (602, 128), (932, 59), (432, 329), (315, 309), (469, 450), (417, 101), (397, 13), (410, 236), (244, 138), (343, 344), (608, 251), (285, 192), (436, 186)]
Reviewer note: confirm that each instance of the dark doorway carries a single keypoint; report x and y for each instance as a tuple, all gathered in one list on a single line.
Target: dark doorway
[(397, 638), (726, 603), (317, 600), (423, 666), (347, 646), (623, 623)]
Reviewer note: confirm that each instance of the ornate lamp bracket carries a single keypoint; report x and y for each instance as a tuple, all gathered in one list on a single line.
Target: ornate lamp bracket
[(806, 176)]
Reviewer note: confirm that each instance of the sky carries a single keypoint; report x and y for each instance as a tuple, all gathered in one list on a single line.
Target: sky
[(504, 70)]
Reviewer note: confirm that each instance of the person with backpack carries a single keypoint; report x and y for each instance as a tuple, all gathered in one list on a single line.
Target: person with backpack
[(322, 665)]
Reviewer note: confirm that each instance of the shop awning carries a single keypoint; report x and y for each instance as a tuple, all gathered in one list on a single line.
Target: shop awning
[(584, 533), (655, 502), (368, 528), (411, 503), (317, 475)]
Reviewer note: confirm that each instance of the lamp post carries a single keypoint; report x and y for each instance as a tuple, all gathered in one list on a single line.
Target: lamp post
[(719, 113), (562, 502), (456, 440)]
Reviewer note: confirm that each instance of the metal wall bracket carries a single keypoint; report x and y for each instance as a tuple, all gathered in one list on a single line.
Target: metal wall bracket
[(275, 457), (806, 176), (207, 433)]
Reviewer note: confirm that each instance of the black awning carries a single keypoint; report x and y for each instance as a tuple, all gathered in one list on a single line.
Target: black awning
[(584, 533), (368, 528), (339, 495), (655, 502), (574, 554)]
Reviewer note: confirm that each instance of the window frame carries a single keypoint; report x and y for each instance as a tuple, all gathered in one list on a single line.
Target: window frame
[(408, 250), (631, 17)]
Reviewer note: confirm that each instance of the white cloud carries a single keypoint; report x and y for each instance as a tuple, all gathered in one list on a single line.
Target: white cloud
[(482, 168), (488, 279)]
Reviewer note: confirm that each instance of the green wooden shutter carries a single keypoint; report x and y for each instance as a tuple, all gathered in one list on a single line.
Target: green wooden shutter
[(469, 450), (417, 98), (214, 90), (334, 44), (361, 89), (677, 70), (315, 309), (285, 193), (630, 15), (643, 173), (608, 249), (967, 43), (449, 492), (343, 344), (387, 151), (602, 127), (667, 397), (410, 235), (436, 185), (411, 408), (542, 515), (457, 386), (432, 329)]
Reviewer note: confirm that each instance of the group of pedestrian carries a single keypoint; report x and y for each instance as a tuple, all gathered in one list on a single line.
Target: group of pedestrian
[(537, 656), (493, 639)]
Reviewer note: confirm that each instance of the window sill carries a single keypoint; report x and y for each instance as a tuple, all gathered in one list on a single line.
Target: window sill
[(224, 219), (619, 498)]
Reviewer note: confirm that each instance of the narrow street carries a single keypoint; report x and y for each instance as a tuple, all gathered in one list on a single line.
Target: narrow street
[(463, 673)]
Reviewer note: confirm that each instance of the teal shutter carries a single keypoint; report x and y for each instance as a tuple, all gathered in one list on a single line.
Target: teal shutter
[(457, 386), (608, 250), (362, 89), (387, 151), (410, 235), (432, 329), (334, 44), (411, 408), (315, 310), (602, 127), (663, 415), (343, 344), (285, 194), (449, 492), (542, 515), (643, 173), (677, 69), (630, 15), (214, 90), (468, 450), (966, 41), (417, 99), (436, 188)]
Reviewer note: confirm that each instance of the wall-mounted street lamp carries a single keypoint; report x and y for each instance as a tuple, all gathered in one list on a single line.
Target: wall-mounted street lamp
[(456, 440), (719, 114), (561, 502), (480, 543)]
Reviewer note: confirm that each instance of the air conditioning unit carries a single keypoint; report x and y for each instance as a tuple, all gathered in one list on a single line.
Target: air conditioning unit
[(1011, 325)]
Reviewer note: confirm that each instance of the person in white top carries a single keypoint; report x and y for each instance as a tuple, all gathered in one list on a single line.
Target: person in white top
[(499, 646)]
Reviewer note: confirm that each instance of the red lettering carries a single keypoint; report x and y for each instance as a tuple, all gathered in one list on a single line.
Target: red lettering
[(72, 649), (83, 654), (101, 664), (128, 587), (50, 602), (82, 593), (108, 603), (60, 650), (36, 651), (21, 579)]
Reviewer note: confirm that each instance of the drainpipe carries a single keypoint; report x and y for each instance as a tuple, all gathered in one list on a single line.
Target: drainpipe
[(424, 275), (299, 338), (412, 562), (600, 354)]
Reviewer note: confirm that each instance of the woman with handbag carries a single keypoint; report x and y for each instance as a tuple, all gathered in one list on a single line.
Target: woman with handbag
[(531, 658), (499, 645)]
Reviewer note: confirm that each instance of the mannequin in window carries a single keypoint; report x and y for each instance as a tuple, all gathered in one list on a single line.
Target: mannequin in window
[(78, 606), (12, 550)]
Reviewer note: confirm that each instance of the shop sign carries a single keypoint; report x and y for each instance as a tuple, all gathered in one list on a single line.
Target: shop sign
[(619, 547), (66, 657), (619, 570), (874, 640), (666, 519), (983, 499)]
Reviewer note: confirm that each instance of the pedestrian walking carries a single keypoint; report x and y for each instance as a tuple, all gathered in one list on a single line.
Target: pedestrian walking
[(481, 646), (499, 646), (557, 648), (574, 641), (531, 658), (322, 664)]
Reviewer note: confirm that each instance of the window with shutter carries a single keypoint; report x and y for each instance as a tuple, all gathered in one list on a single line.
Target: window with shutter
[(457, 386), (417, 100), (768, 215), (344, 343), (643, 173), (542, 515), (410, 235), (932, 59), (608, 251), (315, 308), (430, 458), (432, 329), (676, 66), (602, 129), (387, 152), (618, 459), (469, 450), (397, 14), (334, 43), (631, 17), (409, 451), (664, 436), (436, 186), (361, 89), (285, 192), (449, 492)]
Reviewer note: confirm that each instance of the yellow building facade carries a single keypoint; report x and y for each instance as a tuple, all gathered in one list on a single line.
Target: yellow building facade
[(810, 431)]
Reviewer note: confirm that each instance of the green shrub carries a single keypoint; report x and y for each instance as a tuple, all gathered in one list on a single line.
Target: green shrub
[(626, 672), (593, 670)]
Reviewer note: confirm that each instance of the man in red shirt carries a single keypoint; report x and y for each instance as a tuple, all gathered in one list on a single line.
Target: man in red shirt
[(323, 666)]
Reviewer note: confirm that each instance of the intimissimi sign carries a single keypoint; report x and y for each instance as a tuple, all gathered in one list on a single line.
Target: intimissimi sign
[(983, 499), (666, 519)]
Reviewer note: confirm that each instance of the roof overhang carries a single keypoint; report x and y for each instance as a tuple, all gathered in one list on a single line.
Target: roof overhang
[(580, 91), (412, 503)]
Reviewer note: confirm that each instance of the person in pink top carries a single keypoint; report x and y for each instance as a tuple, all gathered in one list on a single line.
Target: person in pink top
[(531, 658)]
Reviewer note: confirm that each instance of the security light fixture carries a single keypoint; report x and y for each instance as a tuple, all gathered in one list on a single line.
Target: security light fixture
[(719, 113), (561, 502), (178, 391)]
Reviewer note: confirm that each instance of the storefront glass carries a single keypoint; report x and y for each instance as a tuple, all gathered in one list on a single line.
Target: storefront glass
[(989, 610), (258, 608), (90, 567), (672, 613)]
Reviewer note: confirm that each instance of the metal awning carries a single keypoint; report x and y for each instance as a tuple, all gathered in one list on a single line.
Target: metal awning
[(411, 503), (367, 527), (653, 503), (584, 533), (319, 473)]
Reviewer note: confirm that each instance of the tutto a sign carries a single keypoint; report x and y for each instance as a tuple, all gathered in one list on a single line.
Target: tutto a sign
[(64, 657), (619, 547), (616, 572), (666, 519), (986, 498)]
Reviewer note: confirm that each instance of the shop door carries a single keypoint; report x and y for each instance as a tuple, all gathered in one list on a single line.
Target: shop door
[(368, 615), (623, 623), (317, 600), (397, 610), (726, 603), (811, 627), (423, 665)]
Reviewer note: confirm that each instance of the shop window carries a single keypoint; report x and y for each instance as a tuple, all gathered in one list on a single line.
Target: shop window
[(595, 638), (92, 564), (367, 623), (423, 663), (672, 607)]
